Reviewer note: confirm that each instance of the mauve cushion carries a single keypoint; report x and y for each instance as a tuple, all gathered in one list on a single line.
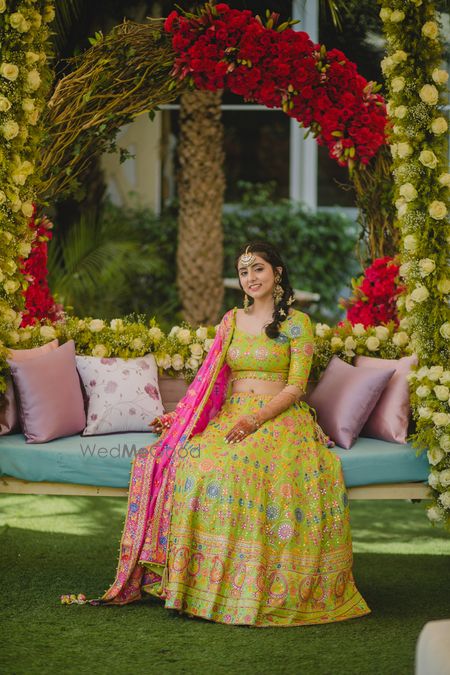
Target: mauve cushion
[(49, 395), (344, 398), (389, 420), (9, 415)]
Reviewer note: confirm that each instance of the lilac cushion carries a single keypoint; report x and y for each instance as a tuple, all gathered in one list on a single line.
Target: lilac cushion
[(49, 395), (123, 394), (389, 420), (9, 415), (344, 398)]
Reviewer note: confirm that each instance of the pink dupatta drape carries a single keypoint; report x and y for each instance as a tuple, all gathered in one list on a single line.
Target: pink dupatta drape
[(151, 467)]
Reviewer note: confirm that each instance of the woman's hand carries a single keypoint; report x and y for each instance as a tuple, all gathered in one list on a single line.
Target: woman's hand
[(160, 424), (245, 425)]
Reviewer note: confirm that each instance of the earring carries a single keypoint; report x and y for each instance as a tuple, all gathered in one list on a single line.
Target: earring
[(246, 303), (277, 291)]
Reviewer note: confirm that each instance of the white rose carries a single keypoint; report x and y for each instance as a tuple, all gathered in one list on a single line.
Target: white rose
[(423, 391), (444, 443), (33, 80), (193, 363), (425, 412), (116, 324), (400, 302), (443, 286), (382, 333), (439, 76), (397, 16), (196, 350), (322, 329), (358, 329), (433, 480), (5, 104), (435, 514), (419, 374), (434, 373), (184, 336), (27, 209), (11, 286), (405, 323), (429, 94), (350, 343), (387, 65), (96, 325), (137, 344), (437, 210), (404, 269), (404, 149), (439, 126), (99, 350), (47, 332), (426, 266), (445, 377), (444, 179), (445, 330), (440, 419), (394, 150), (9, 71), (202, 333), (430, 29), (444, 498), (435, 455), (177, 362), (410, 243), (208, 344), (420, 294), (400, 339), (399, 56), (444, 478), (401, 111), (2, 197), (398, 84), (155, 333), (385, 13), (428, 159), (163, 361), (372, 343), (173, 331), (442, 392), (336, 343), (408, 192), (10, 129)]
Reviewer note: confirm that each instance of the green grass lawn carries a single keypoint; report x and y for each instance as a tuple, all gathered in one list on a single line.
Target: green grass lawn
[(54, 545)]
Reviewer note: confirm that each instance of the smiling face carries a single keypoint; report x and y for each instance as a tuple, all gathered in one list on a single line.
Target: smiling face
[(258, 279)]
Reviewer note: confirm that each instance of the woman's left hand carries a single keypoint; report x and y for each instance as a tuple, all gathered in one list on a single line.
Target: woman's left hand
[(245, 426)]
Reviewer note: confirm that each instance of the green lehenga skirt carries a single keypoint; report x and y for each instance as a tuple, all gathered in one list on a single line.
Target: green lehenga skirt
[(260, 530)]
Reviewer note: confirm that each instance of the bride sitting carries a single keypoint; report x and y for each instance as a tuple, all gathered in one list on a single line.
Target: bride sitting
[(239, 513)]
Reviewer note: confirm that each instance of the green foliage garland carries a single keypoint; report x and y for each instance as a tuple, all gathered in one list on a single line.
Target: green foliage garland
[(416, 84)]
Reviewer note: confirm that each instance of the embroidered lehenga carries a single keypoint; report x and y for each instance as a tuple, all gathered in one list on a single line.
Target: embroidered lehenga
[(255, 532)]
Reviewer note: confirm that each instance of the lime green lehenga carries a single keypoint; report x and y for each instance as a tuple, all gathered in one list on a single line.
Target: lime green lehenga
[(260, 530)]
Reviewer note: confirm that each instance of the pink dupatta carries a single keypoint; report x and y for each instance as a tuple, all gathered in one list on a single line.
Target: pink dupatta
[(152, 465)]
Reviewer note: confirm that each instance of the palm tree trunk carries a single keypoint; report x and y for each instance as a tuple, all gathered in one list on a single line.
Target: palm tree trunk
[(201, 186)]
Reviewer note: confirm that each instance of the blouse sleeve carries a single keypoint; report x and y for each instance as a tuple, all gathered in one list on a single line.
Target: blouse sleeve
[(302, 350)]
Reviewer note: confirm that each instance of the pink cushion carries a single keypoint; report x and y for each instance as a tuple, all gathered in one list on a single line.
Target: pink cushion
[(344, 398), (9, 416), (123, 393), (49, 395), (389, 420)]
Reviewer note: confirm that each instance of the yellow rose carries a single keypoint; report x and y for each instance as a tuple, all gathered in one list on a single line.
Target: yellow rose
[(401, 111), (9, 71), (137, 344), (336, 343), (48, 14), (385, 13), (439, 126), (16, 20), (15, 204), (435, 455), (27, 209), (444, 179), (184, 336), (155, 333), (434, 373), (399, 56), (33, 80), (408, 192), (2, 6), (404, 149), (10, 129), (443, 286), (382, 333), (387, 65), (358, 329), (442, 392), (47, 332), (424, 412), (31, 58), (96, 325), (440, 419), (426, 266), (445, 330), (19, 177), (116, 324), (404, 269), (11, 286), (420, 294), (401, 206), (428, 159), (24, 249), (322, 329), (437, 210), (5, 104), (397, 16), (398, 84), (372, 343), (429, 94), (430, 29), (439, 76), (400, 339), (100, 351), (423, 391), (444, 442), (32, 117), (163, 361)]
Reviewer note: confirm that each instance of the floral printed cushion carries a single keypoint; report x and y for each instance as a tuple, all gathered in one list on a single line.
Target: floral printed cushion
[(122, 394)]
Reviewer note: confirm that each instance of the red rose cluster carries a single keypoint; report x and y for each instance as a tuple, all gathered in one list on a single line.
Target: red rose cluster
[(375, 294), (39, 303), (282, 68)]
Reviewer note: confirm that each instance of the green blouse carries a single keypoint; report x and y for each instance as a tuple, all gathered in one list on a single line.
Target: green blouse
[(287, 359)]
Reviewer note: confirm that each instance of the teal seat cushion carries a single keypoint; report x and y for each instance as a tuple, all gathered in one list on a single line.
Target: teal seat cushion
[(105, 461)]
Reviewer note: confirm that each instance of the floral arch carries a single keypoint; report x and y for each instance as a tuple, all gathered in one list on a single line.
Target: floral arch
[(44, 149)]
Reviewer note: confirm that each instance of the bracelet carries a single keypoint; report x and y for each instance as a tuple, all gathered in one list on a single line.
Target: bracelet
[(255, 421)]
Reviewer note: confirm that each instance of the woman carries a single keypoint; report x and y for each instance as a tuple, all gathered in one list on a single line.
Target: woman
[(239, 512)]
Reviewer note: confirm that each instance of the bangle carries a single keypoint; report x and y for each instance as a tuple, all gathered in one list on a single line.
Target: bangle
[(255, 421)]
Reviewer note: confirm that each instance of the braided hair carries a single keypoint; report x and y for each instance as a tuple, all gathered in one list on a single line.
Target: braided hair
[(271, 255)]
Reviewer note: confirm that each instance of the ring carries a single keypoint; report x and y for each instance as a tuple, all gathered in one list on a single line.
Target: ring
[(241, 432)]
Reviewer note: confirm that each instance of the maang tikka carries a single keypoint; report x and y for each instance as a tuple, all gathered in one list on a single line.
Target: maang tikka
[(246, 259)]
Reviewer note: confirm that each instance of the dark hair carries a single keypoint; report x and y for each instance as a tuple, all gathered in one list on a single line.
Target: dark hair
[(271, 255)]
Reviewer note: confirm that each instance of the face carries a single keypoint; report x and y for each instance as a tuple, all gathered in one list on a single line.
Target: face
[(258, 279)]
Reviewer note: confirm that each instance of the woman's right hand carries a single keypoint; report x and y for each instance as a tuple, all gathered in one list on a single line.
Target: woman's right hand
[(160, 424)]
